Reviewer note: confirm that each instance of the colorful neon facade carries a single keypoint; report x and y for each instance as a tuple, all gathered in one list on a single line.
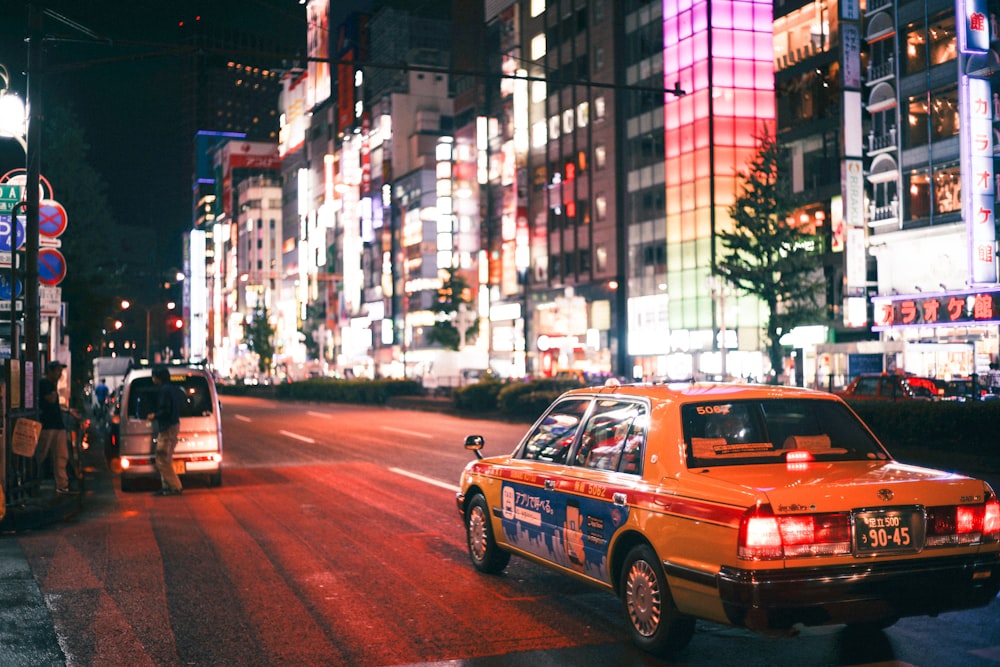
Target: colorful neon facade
[(722, 54)]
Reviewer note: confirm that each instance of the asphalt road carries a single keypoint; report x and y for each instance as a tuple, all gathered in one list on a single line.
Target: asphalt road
[(334, 540)]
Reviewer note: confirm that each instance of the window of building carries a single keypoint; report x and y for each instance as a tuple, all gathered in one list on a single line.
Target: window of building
[(537, 7), (947, 189), (598, 58), (538, 46), (583, 114), (538, 91), (930, 47), (944, 113), (601, 207), (599, 108), (598, 11), (567, 121), (932, 120), (600, 156), (601, 253), (538, 135), (919, 195), (554, 126)]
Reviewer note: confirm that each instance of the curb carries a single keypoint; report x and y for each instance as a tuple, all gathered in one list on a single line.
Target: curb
[(41, 511)]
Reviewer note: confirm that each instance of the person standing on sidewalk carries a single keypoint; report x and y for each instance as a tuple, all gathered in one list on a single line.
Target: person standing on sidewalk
[(166, 429), (52, 441)]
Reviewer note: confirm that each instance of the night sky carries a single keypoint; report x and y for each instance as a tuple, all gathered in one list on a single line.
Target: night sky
[(118, 73)]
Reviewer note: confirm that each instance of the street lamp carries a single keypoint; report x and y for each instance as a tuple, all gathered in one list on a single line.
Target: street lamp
[(13, 117)]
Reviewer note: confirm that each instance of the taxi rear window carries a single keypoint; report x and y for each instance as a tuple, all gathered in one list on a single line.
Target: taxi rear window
[(765, 431)]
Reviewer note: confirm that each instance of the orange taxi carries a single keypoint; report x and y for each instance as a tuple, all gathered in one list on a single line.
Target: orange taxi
[(756, 506)]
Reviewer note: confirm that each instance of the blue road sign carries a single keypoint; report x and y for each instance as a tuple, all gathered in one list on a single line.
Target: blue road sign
[(5, 288), (5, 232)]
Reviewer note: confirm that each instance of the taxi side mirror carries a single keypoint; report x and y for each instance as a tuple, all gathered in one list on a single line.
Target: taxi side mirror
[(475, 443)]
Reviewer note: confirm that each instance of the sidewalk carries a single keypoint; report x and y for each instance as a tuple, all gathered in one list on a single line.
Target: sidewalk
[(27, 635)]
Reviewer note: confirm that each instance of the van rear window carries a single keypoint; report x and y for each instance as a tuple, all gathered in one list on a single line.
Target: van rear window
[(143, 396)]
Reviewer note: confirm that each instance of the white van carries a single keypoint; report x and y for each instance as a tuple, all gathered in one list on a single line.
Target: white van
[(199, 443)]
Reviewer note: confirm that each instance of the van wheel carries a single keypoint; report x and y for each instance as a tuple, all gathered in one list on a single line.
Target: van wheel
[(654, 622), (483, 549)]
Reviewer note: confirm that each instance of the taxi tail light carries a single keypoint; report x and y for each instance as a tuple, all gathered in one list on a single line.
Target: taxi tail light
[(766, 536), (964, 524)]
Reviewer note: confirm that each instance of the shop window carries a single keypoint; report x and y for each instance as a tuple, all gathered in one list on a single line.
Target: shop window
[(916, 122), (947, 189), (941, 42), (929, 47), (944, 114), (919, 195), (585, 261)]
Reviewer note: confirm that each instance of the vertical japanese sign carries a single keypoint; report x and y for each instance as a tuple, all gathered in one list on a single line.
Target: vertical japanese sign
[(852, 179), (976, 137)]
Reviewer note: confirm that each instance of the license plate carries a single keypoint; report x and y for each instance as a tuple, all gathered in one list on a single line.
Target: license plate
[(179, 467), (888, 531)]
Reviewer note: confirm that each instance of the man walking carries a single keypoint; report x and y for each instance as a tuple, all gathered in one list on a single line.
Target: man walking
[(166, 429), (52, 441)]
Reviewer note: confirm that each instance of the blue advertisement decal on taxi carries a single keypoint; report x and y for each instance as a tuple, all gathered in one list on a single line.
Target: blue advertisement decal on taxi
[(573, 531)]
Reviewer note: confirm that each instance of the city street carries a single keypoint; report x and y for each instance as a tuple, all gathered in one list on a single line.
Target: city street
[(334, 540)]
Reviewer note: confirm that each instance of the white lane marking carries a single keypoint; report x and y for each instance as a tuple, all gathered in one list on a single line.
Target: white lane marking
[(427, 480), (296, 436), (243, 418), (415, 434), (324, 415)]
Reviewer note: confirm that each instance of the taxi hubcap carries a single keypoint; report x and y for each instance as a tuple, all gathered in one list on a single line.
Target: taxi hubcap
[(643, 598), (477, 533)]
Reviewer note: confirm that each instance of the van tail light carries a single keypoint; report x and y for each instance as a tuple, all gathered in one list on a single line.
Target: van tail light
[(964, 524), (766, 536)]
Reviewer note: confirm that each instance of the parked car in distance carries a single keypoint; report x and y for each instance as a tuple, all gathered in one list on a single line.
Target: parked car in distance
[(964, 389), (755, 506), (199, 442), (891, 387)]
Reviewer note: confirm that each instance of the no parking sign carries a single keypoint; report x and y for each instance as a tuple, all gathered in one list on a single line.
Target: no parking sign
[(52, 218), (51, 266)]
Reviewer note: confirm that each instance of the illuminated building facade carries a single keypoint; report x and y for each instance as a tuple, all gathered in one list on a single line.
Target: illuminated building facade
[(930, 112)]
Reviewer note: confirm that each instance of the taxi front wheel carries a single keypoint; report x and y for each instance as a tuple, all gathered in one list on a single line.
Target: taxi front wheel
[(483, 549), (654, 622)]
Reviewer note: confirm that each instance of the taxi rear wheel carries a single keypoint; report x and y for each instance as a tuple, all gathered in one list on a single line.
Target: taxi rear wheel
[(653, 620), (483, 549)]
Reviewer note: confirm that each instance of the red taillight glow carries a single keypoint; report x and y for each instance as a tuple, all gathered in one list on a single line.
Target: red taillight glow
[(964, 524), (764, 536)]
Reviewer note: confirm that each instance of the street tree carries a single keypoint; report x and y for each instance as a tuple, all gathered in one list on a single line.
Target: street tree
[(258, 334), (93, 244), (766, 253), (452, 324)]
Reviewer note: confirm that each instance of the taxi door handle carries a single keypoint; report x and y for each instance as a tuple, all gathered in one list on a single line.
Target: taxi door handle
[(550, 484)]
